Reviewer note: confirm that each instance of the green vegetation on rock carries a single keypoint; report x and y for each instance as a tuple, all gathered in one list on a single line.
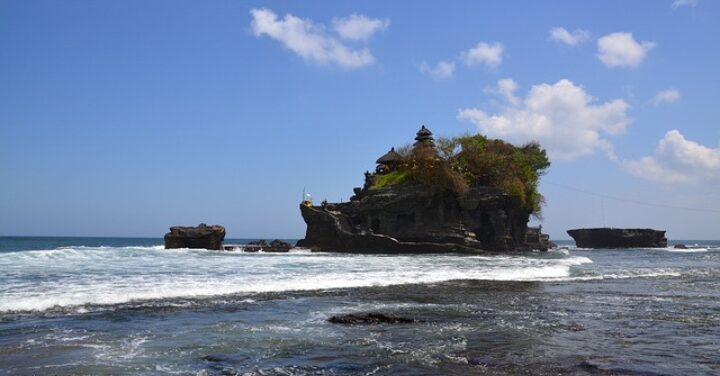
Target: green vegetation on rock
[(391, 178), (456, 164)]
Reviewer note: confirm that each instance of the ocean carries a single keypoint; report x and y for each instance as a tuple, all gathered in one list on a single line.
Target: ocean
[(123, 306)]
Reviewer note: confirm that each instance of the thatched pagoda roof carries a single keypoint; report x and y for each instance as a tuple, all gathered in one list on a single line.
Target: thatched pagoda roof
[(390, 157)]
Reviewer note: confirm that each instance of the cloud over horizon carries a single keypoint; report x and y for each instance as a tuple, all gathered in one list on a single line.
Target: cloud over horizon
[(563, 117), (677, 160), (313, 43), (622, 50)]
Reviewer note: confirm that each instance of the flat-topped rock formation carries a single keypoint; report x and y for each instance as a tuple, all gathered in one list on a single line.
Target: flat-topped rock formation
[(200, 236), (618, 237), (421, 202)]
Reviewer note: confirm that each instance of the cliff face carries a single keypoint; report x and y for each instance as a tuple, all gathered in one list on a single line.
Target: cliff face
[(618, 237), (413, 219)]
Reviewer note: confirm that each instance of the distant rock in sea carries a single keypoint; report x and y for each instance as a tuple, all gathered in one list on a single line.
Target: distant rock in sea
[(201, 236), (604, 237)]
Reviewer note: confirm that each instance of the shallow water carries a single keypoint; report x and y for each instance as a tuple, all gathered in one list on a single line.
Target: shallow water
[(127, 306)]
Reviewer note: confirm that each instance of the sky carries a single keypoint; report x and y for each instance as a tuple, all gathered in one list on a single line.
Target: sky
[(124, 118)]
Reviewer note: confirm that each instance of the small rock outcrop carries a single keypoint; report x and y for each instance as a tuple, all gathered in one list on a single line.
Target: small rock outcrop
[(261, 245), (279, 246), (535, 239), (369, 319), (604, 237), (200, 236)]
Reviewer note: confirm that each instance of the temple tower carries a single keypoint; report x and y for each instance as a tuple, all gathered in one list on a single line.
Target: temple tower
[(424, 138)]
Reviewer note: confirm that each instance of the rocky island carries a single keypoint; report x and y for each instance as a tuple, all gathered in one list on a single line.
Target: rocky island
[(618, 237), (200, 236), (466, 194)]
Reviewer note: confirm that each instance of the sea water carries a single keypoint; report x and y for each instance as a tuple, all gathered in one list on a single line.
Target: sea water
[(128, 306)]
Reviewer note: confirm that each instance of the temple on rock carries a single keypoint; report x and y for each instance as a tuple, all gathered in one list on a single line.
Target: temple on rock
[(419, 202)]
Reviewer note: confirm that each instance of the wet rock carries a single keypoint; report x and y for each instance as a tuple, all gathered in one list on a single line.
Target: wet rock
[(215, 358), (369, 319), (535, 239), (200, 236), (680, 246), (262, 245), (278, 246), (259, 243)]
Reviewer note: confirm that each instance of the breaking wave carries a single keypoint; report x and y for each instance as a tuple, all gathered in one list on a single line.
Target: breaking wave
[(75, 276)]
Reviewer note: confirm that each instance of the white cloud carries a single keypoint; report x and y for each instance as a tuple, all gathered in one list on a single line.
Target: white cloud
[(442, 70), (562, 117), (681, 3), (308, 40), (621, 50), (506, 89), (572, 39), (666, 96), (358, 26), (678, 160), (484, 53)]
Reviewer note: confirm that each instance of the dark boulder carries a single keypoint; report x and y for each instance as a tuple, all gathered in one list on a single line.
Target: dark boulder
[(618, 237), (262, 245), (278, 246), (680, 246), (369, 319), (201, 236)]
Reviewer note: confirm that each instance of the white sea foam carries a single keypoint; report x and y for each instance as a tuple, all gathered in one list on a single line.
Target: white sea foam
[(78, 276), (680, 250)]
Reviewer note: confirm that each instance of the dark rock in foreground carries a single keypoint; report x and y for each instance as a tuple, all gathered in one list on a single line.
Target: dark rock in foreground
[(369, 319), (618, 237), (202, 236)]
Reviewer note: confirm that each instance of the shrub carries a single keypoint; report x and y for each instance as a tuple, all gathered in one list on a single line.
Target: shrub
[(472, 160)]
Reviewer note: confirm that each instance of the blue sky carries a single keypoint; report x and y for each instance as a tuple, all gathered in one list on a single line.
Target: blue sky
[(123, 118)]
